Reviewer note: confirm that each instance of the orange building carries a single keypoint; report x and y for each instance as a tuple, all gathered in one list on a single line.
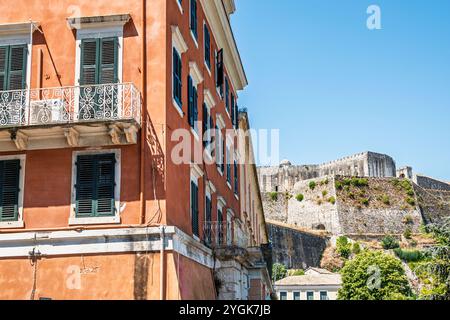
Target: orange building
[(95, 97)]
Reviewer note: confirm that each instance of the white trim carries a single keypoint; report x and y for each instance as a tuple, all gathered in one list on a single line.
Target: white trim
[(98, 33), (14, 29), (220, 122), (107, 21), (19, 223), (193, 38), (18, 39), (221, 202), (105, 241), (196, 172), (204, 47), (209, 99), (195, 73), (190, 15), (178, 40), (210, 187), (179, 6), (73, 220)]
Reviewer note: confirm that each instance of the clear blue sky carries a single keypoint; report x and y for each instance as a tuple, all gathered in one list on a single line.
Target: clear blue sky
[(335, 88)]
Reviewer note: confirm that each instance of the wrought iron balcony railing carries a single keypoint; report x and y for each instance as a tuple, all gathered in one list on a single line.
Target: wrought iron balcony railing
[(222, 234), (65, 105)]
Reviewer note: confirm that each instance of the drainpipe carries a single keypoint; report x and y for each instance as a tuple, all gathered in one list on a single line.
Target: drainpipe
[(144, 110), (161, 264)]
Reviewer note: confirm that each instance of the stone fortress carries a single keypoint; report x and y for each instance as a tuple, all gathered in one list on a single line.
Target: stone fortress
[(303, 220), (326, 208)]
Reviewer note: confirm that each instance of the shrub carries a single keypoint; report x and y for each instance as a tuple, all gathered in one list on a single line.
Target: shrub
[(299, 272), (365, 202), (410, 193), (409, 255), (324, 182), (360, 281), (351, 195), (300, 197), (343, 247), (411, 201), (408, 233), (347, 181), (356, 249), (389, 242), (324, 193), (332, 200), (360, 182), (273, 196), (408, 219), (312, 185), (278, 271), (338, 185), (385, 199), (319, 202)]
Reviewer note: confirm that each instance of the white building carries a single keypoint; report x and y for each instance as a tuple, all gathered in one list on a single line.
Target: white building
[(316, 284)]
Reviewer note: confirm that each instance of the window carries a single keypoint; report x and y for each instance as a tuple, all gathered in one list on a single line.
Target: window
[(236, 178), (9, 190), (233, 111), (95, 185), (310, 295), (296, 295), (219, 72), (323, 295), (13, 67), (228, 165), (99, 61), (220, 150), (194, 208), (219, 224), (227, 96), (192, 106), (177, 83), (283, 295), (194, 18), (207, 47), (208, 126), (208, 216)]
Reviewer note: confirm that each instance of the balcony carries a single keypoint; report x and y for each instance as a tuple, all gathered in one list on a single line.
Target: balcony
[(78, 116)]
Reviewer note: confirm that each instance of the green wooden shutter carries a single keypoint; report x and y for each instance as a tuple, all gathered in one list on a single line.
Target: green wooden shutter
[(3, 67), (108, 60), (17, 67), (105, 185), (95, 185), (190, 101), (89, 62), (85, 186), (194, 208), (9, 190)]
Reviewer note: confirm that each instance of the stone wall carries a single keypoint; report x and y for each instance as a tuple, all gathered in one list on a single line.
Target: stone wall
[(367, 164), (296, 249), (434, 204), (430, 183)]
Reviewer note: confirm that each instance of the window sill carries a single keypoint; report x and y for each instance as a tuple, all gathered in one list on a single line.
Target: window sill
[(11, 225), (229, 185), (195, 134), (236, 196), (207, 68), (178, 108), (96, 220), (179, 6), (220, 171), (193, 38)]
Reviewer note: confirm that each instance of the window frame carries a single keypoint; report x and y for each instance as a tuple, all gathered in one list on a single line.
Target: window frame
[(308, 294), (285, 294), (326, 295), (116, 219), (19, 223), (17, 40), (294, 293)]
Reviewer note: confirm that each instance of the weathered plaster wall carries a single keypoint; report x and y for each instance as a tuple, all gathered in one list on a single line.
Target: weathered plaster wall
[(296, 249)]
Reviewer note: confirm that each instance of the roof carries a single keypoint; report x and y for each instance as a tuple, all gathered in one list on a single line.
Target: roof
[(311, 280), (312, 270)]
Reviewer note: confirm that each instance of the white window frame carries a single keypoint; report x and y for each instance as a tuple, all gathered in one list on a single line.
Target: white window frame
[(19, 223), (197, 78), (20, 39), (190, 31), (98, 33), (195, 174), (73, 220), (179, 6), (221, 205), (220, 123), (230, 215), (181, 47)]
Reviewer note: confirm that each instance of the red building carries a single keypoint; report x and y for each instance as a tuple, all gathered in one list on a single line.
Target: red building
[(96, 199)]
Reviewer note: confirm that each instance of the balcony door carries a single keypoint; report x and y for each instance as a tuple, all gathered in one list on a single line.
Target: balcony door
[(13, 68), (99, 91)]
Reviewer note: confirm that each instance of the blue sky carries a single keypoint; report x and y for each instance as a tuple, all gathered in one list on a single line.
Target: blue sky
[(334, 87)]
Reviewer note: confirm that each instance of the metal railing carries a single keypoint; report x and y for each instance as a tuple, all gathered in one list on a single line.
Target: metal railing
[(65, 105), (222, 234)]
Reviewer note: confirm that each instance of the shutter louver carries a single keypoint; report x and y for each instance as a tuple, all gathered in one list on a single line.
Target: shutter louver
[(194, 208), (195, 107), (9, 190), (219, 69), (190, 100), (109, 48), (89, 65), (95, 185), (85, 186), (105, 185), (3, 60)]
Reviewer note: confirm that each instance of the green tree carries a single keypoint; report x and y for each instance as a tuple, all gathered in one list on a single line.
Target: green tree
[(374, 275), (278, 271), (435, 271), (343, 247)]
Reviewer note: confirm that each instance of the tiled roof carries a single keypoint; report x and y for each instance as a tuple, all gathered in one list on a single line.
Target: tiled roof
[(311, 279)]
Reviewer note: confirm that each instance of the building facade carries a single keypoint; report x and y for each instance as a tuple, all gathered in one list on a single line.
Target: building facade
[(96, 97), (315, 284)]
